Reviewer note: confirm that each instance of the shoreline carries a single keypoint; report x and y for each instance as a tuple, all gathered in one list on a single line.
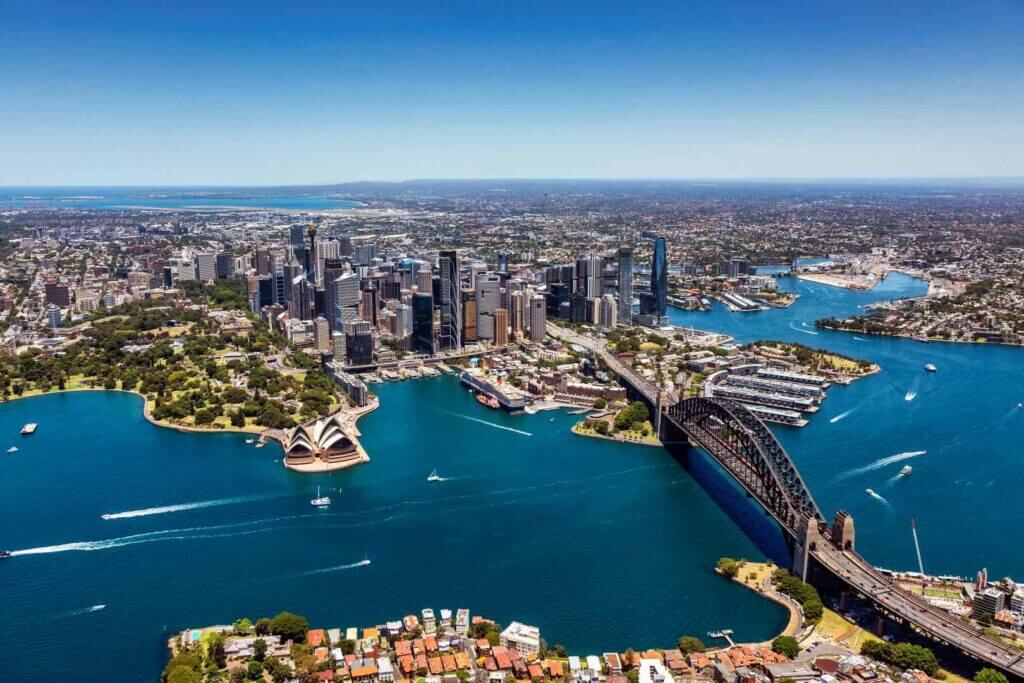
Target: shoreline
[(929, 340), (795, 624), (609, 437), (265, 434)]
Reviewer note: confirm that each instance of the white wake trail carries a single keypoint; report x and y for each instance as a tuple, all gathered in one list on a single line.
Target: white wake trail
[(798, 329), (489, 424), (339, 568), (841, 416), (879, 498), (880, 463), (181, 507)]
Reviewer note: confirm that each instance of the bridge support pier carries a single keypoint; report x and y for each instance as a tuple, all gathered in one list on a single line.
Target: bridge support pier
[(879, 625), (844, 600), (803, 545)]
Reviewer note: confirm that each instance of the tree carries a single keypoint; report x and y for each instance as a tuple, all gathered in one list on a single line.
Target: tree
[(263, 627), (690, 644), (600, 403), (348, 646), (990, 676), (259, 649), (729, 567), (254, 671), (216, 653), (243, 626), (237, 419), (289, 626), (786, 645), (183, 674)]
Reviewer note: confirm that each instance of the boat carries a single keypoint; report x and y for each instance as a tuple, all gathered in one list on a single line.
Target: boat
[(30, 428), (4, 554), (320, 502), (12, 449), (488, 401), (907, 469), (435, 477), (250, 440), (930, 368)]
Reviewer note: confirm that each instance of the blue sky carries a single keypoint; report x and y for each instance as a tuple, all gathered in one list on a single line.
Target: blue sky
[(245, 93)]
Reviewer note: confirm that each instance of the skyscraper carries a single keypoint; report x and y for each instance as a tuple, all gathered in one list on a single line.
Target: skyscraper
[(333, 269), (450, 301), (501, 327), (369, 309), (659, 279), (538, 318), (625, 300), (423, 323), (517, 313), (488, 300), (346, 298)]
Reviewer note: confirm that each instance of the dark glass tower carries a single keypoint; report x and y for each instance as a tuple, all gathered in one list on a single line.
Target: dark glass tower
[(449, 300), (423, 323), (659, 278)]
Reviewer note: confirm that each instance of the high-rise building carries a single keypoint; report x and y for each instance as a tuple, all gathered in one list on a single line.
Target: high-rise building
[(364, 254), (403, 320), (206, 267), (346, 299), (450, 301), (502, 261), (517, 314), (345, 246), (659, 279), (53, 316), (607, 311), (332, 269), (488, 300), (338, 346), (359, 342), (168, 277), (538, 318), (625, 300), (225, 265), (57, 294), (423, 323), (369, 308), (501, 327), (469, 332), (297, 241), (322, 335)]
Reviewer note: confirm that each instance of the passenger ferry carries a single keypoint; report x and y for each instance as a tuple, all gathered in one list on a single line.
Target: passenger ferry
[(30, 428)]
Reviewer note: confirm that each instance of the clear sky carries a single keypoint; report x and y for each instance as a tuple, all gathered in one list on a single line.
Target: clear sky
[(179, 92)]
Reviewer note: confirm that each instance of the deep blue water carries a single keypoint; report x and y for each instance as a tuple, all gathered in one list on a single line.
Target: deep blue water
[(602, 545), (196, 198), (963, 490)]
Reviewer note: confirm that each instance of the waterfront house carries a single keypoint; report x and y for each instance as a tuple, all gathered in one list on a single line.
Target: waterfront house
[(613, 662), (522, 638), (315, 637)]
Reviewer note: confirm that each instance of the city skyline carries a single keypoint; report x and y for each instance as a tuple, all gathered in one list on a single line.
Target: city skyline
[(255, 95)]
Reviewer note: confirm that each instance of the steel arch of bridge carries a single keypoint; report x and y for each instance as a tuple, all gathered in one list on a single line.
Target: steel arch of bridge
[(738, 440)]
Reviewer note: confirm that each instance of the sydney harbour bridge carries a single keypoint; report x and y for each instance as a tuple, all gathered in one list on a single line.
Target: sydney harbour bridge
[(749, 453)]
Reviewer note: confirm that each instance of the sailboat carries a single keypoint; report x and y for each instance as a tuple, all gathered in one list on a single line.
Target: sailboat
[(435, 477), (319, 502)]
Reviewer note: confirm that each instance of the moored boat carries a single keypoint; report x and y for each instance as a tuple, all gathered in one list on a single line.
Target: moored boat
[(30, 428), (488, 401)]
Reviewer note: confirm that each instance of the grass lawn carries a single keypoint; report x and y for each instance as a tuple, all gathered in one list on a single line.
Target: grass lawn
[(833, 627)]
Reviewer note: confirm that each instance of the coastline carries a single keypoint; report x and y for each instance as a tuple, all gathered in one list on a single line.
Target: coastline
[(264, 433), (929, 340), (610, 437), (763, 588)]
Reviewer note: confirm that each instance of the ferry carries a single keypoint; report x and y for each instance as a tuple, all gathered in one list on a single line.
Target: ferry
[(930, 368), (30, 428), (321, 503), (488, 401), (434, 477), (907, 469)]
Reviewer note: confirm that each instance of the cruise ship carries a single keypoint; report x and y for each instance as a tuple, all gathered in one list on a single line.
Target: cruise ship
[(508, 398)]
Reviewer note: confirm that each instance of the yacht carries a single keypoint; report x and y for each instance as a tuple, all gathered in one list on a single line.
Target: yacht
[(30, 428), (320, 502), (930, 368), (434, 477), (907, 469)]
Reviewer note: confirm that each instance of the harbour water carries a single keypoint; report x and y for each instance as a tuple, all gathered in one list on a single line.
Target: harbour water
[(959, 428), (603, 545)]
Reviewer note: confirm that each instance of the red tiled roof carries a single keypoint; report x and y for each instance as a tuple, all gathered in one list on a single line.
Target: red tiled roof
[(315, 638)]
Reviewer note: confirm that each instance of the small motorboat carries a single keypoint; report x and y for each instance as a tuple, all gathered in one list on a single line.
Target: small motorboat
[(4, 554), (250, 440), (12, 449), (434, 477), (931, 368), (907, 469), (30, 428), (321, 502)]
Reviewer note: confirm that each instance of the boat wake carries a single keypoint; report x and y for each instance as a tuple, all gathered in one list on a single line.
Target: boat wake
[(879, 464), (857, 339), (910, 395), (181, 507), (879, 498), (339, 568), (841, 416), (84, 610), (799, 329), (489, 424)]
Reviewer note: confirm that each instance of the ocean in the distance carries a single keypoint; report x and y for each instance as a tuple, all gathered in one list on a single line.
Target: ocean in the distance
[(186, 198)]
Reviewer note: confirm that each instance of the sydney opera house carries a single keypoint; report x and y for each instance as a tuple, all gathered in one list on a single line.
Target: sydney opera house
[(323, 440)]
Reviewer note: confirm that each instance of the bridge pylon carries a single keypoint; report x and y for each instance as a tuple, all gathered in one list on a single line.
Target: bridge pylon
[(806, 542)]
